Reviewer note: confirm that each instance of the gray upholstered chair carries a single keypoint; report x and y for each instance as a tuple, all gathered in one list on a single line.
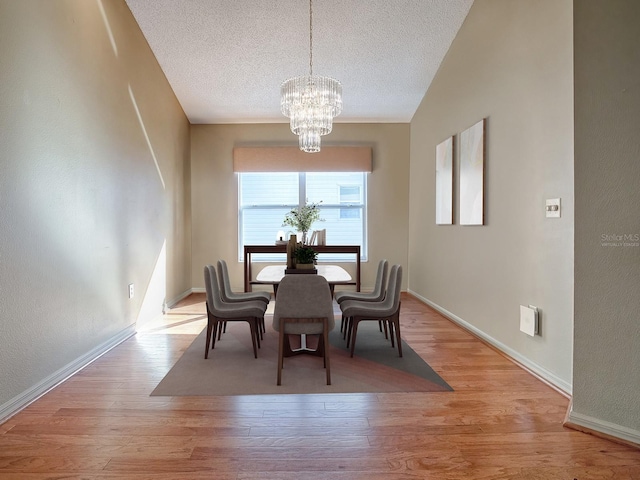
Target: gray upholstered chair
[(219, 312), (388, 310), (303, 307), (378, 289), (377, 295), (229, 296)]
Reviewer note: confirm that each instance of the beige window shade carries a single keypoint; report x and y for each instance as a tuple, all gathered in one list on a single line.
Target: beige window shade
[(292, 159)]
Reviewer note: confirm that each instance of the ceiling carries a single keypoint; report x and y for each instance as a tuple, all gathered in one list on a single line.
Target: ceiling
[(226, 59)]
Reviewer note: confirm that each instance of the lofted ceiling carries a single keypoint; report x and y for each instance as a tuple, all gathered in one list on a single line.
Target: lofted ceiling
[(226, 59)]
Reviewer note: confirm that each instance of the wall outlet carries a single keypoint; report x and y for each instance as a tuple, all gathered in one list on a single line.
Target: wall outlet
[(131, 290)]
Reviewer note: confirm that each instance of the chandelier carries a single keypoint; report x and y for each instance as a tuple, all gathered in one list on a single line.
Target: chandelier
[(311, 102)]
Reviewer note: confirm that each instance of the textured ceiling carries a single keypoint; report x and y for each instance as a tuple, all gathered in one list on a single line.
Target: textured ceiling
[(226, 59)]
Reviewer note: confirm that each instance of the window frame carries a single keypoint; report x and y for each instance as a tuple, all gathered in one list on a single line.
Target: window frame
[(302, 197)]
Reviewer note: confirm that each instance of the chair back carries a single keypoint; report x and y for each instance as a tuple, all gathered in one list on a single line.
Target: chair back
[(381, 281), (214, 300), (392, 298), (207, 286), (225, 283), (303, 296)]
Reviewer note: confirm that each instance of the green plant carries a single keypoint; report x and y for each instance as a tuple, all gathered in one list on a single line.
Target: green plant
[(301, 218), (305, 255)]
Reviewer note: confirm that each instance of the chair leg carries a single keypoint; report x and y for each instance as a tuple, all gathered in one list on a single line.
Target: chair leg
[(384, 324), (216, 326), (254, 334), (208, 341), (258, 331), (212, 323), (325, 335), (353, 332), (280, 351), (390, 323), (396, 321), (349, 330)]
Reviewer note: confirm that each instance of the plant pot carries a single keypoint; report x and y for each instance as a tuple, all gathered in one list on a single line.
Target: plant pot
[(305, 266)]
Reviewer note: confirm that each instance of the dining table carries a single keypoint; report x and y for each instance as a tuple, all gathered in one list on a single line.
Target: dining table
[(273, 274), (340, 250)]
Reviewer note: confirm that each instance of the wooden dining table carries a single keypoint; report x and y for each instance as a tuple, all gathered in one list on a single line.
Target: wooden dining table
[(335, 275), (250, 250)]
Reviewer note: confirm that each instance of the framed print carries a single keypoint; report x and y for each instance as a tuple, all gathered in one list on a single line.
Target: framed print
[(472, 175), (444, 182)]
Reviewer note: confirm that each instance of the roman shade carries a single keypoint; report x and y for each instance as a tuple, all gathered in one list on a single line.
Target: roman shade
[(291, 159)]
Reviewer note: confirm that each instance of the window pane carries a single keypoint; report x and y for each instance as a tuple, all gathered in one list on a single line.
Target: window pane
[(261, 225), (349, 213), (265, 198), (341, 231), (350, 196), (349, 193), (326, 187), (268, 189)]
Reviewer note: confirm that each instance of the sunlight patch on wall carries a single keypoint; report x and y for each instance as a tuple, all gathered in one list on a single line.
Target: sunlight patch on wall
[(146, 136), (155, 293), (108, 27)]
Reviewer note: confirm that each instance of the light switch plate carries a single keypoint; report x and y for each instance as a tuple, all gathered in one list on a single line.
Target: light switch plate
[(552, 208)]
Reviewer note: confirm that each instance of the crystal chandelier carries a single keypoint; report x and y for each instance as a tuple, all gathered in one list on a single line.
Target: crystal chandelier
[(311, 102)]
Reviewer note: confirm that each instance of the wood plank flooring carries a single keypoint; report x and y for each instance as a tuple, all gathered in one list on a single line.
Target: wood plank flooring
[(499, 423)]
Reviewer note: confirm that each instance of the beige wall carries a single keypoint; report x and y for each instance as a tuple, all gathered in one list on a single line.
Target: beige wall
[(607, 171), (510, 63), (215, 190), (87, 202)]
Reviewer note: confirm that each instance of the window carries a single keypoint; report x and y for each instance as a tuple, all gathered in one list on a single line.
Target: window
[(265, 198)]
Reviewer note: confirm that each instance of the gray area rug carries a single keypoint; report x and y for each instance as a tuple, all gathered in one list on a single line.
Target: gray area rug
[(231, 368)]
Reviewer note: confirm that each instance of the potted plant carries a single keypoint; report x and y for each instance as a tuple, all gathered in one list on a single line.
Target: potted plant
[(302, 218), (305, 257)]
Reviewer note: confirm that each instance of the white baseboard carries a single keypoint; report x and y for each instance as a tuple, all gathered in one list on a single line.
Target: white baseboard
[(29, 396), (601, 426), (533, 367), (171, 303)]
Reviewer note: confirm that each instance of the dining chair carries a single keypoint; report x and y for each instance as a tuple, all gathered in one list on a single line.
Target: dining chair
[(378, 289), (376, 295), (229, 296), (218, 312), (387, 310), (304, 306)]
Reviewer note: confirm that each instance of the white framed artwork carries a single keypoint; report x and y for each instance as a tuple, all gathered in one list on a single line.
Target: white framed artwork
[(471, 169), (444, 182)]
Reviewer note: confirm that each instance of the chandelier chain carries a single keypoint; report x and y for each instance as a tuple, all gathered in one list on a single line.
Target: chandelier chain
[(311, 38)]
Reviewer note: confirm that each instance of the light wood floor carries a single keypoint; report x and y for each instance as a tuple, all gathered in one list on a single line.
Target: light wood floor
[(499, 423)]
